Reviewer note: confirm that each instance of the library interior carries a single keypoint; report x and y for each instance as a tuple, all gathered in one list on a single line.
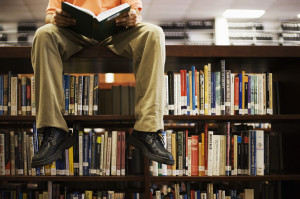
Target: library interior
[(230, 82)]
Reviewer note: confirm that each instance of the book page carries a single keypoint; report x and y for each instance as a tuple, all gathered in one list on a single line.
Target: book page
[(112, 12), (82, 9)]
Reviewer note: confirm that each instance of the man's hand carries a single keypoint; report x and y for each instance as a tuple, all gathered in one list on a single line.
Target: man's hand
[(129, 19), (61, 18)]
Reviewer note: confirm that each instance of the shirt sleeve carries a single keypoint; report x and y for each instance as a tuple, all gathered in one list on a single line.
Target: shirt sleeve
[(53, 5), (135, 4)]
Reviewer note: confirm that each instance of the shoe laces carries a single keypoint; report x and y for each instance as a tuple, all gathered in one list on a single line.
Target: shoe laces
[(47, 137), (159, 136)]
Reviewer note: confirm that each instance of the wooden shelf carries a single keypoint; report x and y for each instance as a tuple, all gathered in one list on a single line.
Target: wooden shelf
[(174, 51), (226, 178), (74, 178), (170, 118)]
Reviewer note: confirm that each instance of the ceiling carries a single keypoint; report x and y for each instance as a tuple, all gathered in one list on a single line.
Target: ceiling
[(164, 10)]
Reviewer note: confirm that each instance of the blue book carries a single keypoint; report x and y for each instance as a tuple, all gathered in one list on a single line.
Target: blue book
[(198, 194), (193, 91), (222, 84), (85, 163), (213, 93), (188, 93), (1, 94), (67, 93), (90, 151), (233, 194), (240, 94)]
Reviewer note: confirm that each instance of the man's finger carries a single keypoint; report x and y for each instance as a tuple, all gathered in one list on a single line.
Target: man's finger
[(63, 13)]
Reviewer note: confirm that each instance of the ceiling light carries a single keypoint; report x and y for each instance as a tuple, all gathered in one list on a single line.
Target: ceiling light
[(298, 15), (238, 13)]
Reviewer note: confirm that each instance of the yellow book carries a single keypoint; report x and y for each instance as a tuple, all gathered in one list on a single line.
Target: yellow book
[(71, 161), (24, 195), (88, 194), (209, 87), (53, 168), (47, 170), (199, 158), (173, 140)]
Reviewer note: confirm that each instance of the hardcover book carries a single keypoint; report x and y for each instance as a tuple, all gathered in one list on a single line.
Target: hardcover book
[(97, 27)]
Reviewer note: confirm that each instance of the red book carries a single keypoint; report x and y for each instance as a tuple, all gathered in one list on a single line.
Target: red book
[(192, 193), (205, 149), (236, 95), (195, 155), (183, 91)]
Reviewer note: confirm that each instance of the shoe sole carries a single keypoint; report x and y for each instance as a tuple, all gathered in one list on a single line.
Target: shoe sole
[(135, 142), (69, 142)]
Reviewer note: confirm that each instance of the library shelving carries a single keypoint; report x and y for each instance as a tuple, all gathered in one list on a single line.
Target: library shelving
[(282, 61)]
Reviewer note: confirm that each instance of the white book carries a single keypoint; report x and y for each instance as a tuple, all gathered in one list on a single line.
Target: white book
[(210, 153), (175, 94), (164, 166), (203, 196), (232, 75), (260, 152), (79, 95), (271, 94), (216, 155), (166, 98), (155, 168), (179, 112), (80, 152), (114, 148), (2, 155), (76, 96), (33, 106), (222, 154), (91, 91)]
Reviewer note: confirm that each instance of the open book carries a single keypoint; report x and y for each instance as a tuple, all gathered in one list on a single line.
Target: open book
[(97, 27)]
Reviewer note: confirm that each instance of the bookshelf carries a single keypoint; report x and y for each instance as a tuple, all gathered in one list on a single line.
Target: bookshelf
[(283, 61)]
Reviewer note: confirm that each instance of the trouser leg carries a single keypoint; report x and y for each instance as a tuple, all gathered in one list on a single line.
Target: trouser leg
[(145, 45), (51, 46)]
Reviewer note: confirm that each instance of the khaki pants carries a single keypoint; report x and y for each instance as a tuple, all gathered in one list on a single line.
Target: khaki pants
[(144, 44)]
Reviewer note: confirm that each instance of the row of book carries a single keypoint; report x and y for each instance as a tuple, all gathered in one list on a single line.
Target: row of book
[(82, 96), (220, 92), (207, 191), (55, 193), (233, 151), (95, 153)]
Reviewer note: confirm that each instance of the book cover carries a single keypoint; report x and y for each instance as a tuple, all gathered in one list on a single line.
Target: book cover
[(97, 27)]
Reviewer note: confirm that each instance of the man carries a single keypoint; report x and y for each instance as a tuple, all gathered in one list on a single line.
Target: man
[(142, 42)]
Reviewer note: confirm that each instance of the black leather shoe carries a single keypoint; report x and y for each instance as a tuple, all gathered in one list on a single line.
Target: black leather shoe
[(55, 141), (151, 143)]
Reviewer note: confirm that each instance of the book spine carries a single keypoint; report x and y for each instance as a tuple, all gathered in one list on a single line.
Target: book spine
[(232, 75), (93, 143), (173, 141), (171, 92), (260, 152), (180, 152), (206, 90), (166, 91), (96, 94), (118, 164), (23, 95), (187, 94), (72, 95), (183, 91), (241, 110), (28, 97), (123, 157), (228, 147), (169, 148), (9, 88), (218, 92), (5, 94), (1, 94), (253, 152), (223, 85), (227, 92), (210, 154), (239, 155), (90, 93), (209, 88), (109, 156), (76, 89), (213, 94), (80, 152), (67, 93), (267, 153), (14, 96), (189, 160), (194, 155), (216, 155), (71, 160), (2, 154), (114, 148), (193, 91), (246, 94), (202, 95), (24, 152), (33, 105), (85, 100), (85, 155), (202, 165), (102, 155), (80, 95), (98, 154), (175, 94)]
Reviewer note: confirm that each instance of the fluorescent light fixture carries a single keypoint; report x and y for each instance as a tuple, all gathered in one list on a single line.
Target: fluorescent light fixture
[(239, 13), (298, 15)]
